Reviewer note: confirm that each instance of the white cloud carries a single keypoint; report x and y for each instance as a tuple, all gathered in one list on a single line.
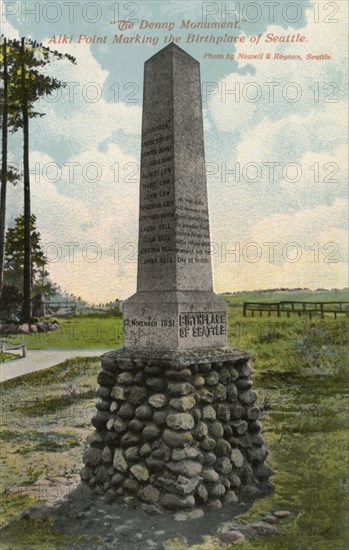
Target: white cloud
[(82, 118), (233, 112)]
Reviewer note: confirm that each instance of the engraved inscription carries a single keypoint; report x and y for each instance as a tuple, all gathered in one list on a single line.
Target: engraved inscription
[(202, 324)]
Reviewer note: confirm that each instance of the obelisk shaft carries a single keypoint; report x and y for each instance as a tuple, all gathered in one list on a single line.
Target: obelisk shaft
[(174, 236)]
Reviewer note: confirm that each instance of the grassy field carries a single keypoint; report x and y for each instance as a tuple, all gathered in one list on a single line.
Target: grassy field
[(78, 332), (301, 376), (106, 331)]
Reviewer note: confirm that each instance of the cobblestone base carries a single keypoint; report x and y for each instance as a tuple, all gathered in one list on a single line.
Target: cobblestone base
[(177, 430)]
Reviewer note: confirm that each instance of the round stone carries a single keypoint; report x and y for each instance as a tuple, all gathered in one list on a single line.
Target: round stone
[(205, 367), (177, 439), (118, 392), (258, 454), (120, 426), (141, 473), (110, 423), (176, 502), (86, 473), (263, 471), (137, 395), (243, 384), (139, 378), (216, 430), (246, 370), (100, 420), (228, 432), (129, 439), (92, 457), (210, 475), (131, 485), (255, 426), (183, 404), (144, 412), (126, 411), (114, 406), (223, 412), (202, 494), (234, 481), (239, 427), (156, 384), (226, 466), (253, 413), (208, 444), (145, 450), (119, 461), (199, 381), (102, 474), (103, 404), (150, 494), (248, 397), (237, 458), (224, 376), (209, 413), (223, 448), (132, 454), (212, 378), (201, 430), (117, 479), (159, 418), (232, 392), (151, 432), (187, 468), (204, 395), (218, 490), (103, 392), (234, 374), (214, 504), (107, 455), (125, 378), (135, 426), (209, 459), (220, 393), (180, 389), (182, 454), (196, 413), (158, 400), (180, 421), (236, 412)]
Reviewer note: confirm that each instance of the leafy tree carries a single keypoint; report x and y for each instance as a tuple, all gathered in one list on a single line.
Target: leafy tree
[(15, 252), (10, 301), (27, 83)]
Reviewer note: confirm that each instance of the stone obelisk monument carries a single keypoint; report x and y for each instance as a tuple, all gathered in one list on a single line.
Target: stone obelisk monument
[(176, 423), (174, 307)]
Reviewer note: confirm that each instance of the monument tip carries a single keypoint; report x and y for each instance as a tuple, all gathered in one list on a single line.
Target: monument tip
[(170, 49)]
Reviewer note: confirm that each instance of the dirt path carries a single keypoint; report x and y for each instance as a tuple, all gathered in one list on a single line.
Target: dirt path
[(43, 359)]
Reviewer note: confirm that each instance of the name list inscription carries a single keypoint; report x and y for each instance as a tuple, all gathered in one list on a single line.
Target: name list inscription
[(173, 228)]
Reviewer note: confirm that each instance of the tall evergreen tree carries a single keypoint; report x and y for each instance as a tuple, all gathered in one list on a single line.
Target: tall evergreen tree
[(28, 82), (4, 135)]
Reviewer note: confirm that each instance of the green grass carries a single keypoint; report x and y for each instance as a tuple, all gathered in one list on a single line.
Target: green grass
[(7, 357), (80, 332), (236, 300), (301, 376)]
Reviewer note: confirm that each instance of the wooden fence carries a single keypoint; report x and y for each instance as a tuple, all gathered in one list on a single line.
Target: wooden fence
[(296, 307), (5, 346)]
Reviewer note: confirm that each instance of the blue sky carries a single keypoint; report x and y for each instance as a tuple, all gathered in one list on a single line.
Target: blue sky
[(288, 151)]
